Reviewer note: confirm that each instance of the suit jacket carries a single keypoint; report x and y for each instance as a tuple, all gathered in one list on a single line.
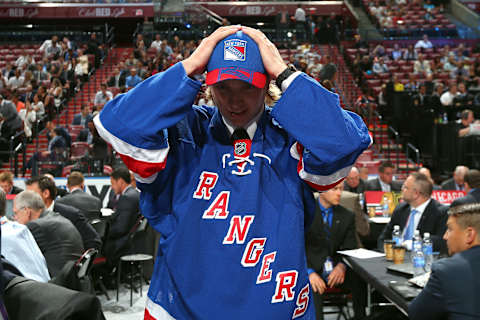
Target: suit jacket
[(83, 201), (119, 81), (57, 238), (449, 184), (359, 189), (319, 245), (78, 118), (472, 197), (121, 223), (374, 185), (433, 220), (350, 201), (89, 236), (49, 301), (452, 290)]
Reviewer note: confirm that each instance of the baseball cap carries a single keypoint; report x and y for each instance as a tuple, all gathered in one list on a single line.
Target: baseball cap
[(236, 57)]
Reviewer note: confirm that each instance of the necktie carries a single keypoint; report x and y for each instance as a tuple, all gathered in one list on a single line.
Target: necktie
[(240, 134), (411, 225)]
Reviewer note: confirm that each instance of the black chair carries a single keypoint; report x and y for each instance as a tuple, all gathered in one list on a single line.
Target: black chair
[(134, 260), (335, 301), (99, 262)]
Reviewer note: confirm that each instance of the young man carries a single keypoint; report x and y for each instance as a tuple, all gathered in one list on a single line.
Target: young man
[(452, 290), (231, 216), (332, 229)]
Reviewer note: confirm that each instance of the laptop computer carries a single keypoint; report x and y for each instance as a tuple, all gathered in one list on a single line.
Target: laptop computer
[(404, 268)]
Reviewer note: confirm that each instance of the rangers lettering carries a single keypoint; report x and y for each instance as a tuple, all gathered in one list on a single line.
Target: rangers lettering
[(253, 252), (238, 229), (302, 302), (219, 208), (265, 274), (286, 281), (208, 180)]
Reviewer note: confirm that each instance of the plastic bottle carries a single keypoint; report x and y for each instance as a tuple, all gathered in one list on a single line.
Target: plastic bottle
[(361, 201), (418, 259), (428, 251), (385, 208), (396, 235), (445, 117)]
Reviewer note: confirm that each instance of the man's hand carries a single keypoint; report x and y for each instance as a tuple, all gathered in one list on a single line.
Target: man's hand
[(337, 276), (198, 60), (272, 60), (317, 283)]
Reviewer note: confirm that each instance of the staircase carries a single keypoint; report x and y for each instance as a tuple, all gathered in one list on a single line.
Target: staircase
[(387, 145), (86, 95)]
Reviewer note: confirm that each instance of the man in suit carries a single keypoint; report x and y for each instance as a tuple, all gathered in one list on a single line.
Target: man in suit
[(79, 199), (47, 190), (126, 212), (452, 289), (353, 181), (456, 182), (6, 183), (82, 118), (61, 192), (57, 238), (118, 79), (384, 182), (472, 187), (418, 212), (332, 229), (426, 171)]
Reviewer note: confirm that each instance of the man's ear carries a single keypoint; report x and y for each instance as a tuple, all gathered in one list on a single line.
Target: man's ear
[(470, 235)]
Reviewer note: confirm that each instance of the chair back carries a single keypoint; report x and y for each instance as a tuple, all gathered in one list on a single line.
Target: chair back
[(85, 263), (78, 150), (100, 226)]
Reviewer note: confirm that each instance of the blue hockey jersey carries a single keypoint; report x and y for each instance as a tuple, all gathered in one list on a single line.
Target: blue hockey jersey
[(232, 244)]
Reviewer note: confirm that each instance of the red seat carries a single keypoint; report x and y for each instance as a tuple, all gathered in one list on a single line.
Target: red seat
[(78, 150)]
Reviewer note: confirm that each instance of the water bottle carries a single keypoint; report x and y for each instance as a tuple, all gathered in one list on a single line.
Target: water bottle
[(445, 117), (396, 235), (385, 208), (427, 251), (418, 259), (361, 201)]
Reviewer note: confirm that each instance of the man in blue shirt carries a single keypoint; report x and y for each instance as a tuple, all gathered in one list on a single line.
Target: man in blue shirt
[(133, 79), (20, 248)]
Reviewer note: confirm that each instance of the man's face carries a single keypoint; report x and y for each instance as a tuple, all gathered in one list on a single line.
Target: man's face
[(387, 175), (353, 179), (6, 186), (455, 236), (459, 177), (332, 196), (115, 185), (21, 215), (238, 101), (36, 188), (409, 194)]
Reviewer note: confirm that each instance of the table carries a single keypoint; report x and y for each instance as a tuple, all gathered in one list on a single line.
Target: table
[(374, 272)]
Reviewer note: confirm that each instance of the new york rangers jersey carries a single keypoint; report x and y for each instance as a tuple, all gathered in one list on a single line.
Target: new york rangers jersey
[(232, 222)]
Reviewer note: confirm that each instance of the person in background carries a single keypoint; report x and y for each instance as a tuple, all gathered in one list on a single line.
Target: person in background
[(472, 188), (452, 289), (457, 181), (353, 183), (384, 182), (418, 212), (6, 183), (332, 229)]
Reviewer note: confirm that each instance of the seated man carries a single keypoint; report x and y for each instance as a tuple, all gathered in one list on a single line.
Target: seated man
[(55, 151), (102, 97), (452, 290), (56, 237), (384, 182), (472, 188), (125, 204), (418, 212), (332, 229), (19, 247), (79, 199), (46, 188), (353, 181), (82, 118), (456, 182), (6, 183)]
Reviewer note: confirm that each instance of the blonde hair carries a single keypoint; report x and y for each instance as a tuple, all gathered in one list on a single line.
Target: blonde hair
[(271, 97)]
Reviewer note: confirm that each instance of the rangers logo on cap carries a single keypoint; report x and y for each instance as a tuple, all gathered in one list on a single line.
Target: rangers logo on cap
[(235, 50), (240, 148)]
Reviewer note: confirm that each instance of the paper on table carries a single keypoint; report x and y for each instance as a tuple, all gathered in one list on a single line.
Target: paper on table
[(362, 253), (380, 220), (106, 212)]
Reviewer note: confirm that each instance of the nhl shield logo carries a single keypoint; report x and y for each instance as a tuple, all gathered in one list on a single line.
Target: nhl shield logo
[(240, 148), (235, 50)]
